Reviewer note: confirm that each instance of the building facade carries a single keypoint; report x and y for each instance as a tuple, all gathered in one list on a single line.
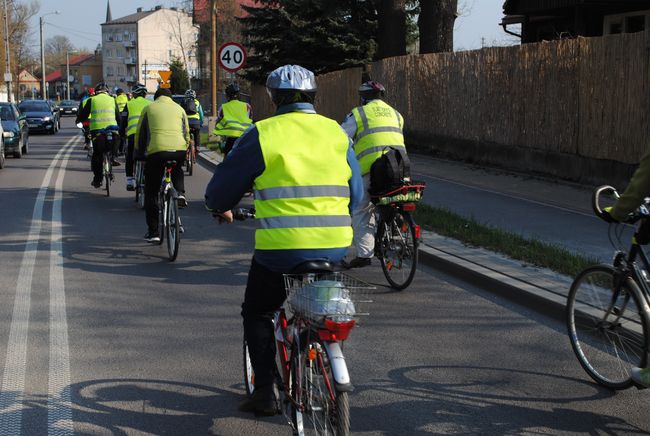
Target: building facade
[(137, 46)]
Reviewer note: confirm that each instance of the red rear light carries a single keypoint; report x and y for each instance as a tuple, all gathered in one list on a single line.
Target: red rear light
[(418, 231), (408, 207), (336, 331)]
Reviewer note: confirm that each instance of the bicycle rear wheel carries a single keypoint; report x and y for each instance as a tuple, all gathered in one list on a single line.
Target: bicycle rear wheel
[(607, 326), (107, 169), (397, 247), (172, 225), (323, 409)]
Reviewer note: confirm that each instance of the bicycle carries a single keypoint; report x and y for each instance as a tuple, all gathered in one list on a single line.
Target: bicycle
[(107, 156), (139, 183), (190, 158), (607, 306), (169, 222), (313, 376), (398, 236)]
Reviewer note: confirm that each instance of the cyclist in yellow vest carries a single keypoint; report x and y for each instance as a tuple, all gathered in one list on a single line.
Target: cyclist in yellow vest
[(373, 127), (101, 110), (233, 119), (86, 124), (121, 99), (302, 206), (132, 113), (194, 112), (162, 135)]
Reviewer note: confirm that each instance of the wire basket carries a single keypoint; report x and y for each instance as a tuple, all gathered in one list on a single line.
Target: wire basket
[(335, 296)]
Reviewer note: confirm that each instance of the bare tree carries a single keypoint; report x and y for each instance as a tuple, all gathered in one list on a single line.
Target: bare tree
[(185, 41), (436, 25), (56, 48)]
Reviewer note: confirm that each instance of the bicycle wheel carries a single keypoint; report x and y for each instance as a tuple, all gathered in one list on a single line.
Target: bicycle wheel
[(107, 174), (607, 326), (172, 225), (249, 374), (322, 409), (397, 247), (162, 216)]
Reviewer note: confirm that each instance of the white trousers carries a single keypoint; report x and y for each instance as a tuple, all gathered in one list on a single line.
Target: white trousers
[(364, 223)]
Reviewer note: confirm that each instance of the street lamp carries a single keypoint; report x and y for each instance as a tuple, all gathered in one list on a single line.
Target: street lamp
[(44, 86), (67, 72)]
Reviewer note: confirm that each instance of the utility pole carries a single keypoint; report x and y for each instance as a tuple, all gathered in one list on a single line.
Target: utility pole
[(8, 59), (213, 56), (67, 74), (40, 20)]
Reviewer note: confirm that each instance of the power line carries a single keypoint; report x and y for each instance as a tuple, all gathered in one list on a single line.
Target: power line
[(75, 33)]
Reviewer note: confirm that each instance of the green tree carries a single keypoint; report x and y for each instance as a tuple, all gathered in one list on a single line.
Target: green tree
[(180, 80), (322, 35)]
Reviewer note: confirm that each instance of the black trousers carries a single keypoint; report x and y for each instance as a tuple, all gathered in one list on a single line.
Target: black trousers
[(153, 173), (195, 131), (230, 142), (129, 155), (264, 295), (99, 145)]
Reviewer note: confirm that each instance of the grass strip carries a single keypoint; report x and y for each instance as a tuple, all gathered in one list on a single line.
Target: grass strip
[(471, 232)]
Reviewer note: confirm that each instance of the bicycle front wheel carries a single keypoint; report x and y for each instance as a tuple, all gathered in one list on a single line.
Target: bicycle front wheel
[(607, 326), (397, 248), (321, 408), (172, 225)]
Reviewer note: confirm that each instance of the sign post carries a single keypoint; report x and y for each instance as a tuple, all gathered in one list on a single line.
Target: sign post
[(232, 57)]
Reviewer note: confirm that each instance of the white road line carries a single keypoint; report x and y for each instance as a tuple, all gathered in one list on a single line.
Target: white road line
[(59, 407), (13, 381)]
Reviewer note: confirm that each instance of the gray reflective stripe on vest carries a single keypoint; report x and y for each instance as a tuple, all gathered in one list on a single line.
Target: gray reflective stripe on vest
[(379, 130), (302, 192), (134, 117), (287, 222), (371, 150), (102, 120), (364, 118), (104, 111)]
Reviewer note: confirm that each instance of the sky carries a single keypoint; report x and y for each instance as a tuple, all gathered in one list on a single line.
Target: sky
[(80, 21)]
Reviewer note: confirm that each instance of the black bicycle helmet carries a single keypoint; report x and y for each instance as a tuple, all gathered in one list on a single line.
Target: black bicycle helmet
[(291, 84), (232, 91), (371, 90), (101, 87), (190, 93), (139, 90)]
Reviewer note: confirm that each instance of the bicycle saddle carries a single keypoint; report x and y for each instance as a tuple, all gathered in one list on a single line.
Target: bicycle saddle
[(313, 266)]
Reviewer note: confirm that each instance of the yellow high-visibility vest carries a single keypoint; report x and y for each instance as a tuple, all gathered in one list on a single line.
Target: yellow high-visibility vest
[(167, 124), (135, 107), (102, 111), (235, 119)]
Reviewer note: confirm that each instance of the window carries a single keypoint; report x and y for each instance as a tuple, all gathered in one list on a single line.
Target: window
[(635, 24)]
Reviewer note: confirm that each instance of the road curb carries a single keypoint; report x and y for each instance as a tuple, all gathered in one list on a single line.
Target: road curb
[(534, 297), (207, 162)]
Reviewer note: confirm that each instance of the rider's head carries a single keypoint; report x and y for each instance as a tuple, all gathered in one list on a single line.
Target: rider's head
[(139, 90), (190, 93), (371, 90), (119, 91), (232, 91), (162, 92), (101, 87), (291, 84)]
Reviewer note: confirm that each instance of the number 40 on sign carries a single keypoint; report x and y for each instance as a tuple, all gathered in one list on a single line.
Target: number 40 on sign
[(232, 56)]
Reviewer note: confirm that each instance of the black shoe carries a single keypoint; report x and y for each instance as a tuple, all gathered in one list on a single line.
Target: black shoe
[(263, 402), (152, 237), (115, 163), (358, 262), (96, 183)]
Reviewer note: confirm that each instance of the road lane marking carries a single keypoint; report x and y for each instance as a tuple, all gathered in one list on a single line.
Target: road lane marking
[(13, 380), (59, 407)]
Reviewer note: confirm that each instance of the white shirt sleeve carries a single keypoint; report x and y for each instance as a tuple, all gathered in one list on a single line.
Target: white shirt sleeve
[(350, 126)]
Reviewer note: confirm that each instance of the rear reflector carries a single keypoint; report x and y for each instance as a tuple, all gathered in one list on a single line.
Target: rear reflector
[(408, 207)]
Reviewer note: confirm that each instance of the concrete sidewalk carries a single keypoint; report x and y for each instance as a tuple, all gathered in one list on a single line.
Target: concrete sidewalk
[(538, 288)]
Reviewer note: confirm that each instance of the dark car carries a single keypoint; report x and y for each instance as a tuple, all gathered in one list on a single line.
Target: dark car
[(16, 132), (68, 107), (40, 116)]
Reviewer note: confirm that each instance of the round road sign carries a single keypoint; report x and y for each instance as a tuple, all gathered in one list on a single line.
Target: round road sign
[(232, 56)]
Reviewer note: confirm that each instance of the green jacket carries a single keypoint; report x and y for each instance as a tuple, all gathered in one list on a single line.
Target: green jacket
[(162, 127), (636, 191)]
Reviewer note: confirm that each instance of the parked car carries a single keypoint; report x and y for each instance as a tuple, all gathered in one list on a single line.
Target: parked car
[(68, 107), (40, 116), (2, 150), (16, 132)]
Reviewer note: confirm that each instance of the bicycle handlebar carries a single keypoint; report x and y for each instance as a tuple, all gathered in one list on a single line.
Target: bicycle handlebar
[(242, 213), (595, 198)]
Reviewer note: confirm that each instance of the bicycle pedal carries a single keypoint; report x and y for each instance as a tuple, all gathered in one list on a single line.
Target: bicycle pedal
[(181, 229)]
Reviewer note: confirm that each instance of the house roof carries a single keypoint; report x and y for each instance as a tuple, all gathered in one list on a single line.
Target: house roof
[(133, 18), (54, 76), (78, 59), (511, 7)]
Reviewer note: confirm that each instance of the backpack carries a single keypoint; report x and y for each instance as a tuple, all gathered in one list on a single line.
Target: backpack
[(390, 171), (190, 106)]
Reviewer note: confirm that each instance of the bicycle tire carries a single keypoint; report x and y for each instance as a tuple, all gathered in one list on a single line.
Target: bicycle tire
[(140, 196), (319, 414), (162, 210), (607, 349), (173, 225), (398, 257), (107, 174), (249, 374)]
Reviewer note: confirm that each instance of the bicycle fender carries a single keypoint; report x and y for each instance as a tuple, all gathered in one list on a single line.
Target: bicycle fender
[(339, 367)]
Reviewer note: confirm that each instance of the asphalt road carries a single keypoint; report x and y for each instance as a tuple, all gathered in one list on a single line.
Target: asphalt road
[(100, 334)]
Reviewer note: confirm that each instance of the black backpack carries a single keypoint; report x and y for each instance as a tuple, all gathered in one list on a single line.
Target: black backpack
[(190, 106), (390, 171)]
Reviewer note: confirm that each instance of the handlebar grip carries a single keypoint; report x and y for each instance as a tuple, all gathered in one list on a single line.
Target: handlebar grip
[(240, 214)]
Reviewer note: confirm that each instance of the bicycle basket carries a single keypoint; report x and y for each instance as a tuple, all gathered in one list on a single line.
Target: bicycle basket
[(331, 295), (411, 193)]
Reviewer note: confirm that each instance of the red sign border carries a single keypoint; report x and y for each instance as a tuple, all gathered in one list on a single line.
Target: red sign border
[(243, 64)]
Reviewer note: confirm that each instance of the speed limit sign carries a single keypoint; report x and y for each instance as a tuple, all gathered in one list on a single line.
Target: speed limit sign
[(232, 56)]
